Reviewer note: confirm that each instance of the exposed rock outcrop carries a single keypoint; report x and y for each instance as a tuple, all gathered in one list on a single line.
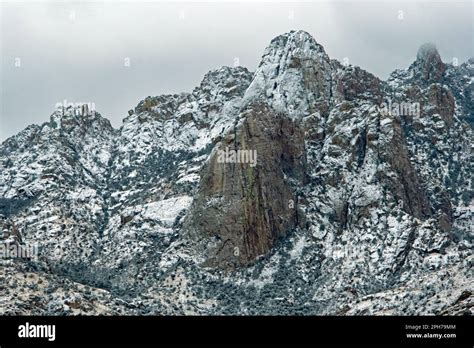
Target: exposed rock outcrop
[(247, 206)]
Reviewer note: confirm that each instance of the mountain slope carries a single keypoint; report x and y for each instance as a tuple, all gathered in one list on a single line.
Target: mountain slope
[(359, 200)]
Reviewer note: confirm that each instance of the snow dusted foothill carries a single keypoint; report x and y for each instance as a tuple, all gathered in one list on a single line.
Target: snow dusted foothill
[(353, 207)]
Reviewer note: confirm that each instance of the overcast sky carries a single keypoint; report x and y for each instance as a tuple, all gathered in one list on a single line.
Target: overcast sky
[(52, 51)]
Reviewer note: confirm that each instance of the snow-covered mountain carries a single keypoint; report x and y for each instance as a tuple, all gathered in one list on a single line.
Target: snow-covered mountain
[(360, 200)]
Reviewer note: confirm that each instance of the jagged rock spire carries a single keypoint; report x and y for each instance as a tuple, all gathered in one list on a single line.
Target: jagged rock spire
[(428, 66)]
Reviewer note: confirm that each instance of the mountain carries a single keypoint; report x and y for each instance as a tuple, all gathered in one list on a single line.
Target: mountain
[(305, 187)]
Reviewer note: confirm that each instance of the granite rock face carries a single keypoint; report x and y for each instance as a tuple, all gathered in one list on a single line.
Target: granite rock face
[(247, 206), (305, 187)]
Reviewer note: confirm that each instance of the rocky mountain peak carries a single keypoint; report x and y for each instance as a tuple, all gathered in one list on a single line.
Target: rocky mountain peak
[(80, 117), (428, 65), (219, 76), (224, 82), (294, 74), (296, 41), (427, 50)]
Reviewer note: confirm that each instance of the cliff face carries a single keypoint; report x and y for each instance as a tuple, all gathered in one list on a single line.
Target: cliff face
[(306, 187), (247, 206)]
